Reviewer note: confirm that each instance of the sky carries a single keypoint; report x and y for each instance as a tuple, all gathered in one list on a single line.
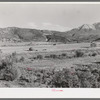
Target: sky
[(59, 17)]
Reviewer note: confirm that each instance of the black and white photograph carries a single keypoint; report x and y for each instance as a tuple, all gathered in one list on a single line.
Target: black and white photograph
[(49, 45)]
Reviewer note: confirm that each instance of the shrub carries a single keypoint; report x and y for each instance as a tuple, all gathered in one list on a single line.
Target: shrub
[(30, 49), (63, 54), (94, 54), (8, 71), (14, 57), (25, 78), (39, 57), (11, 73), (79, 53), (47, 56), (93, 44), (22, 59), (65, 78), (14, 54), (11, 58), (84, 76), (53, 56), (34, 57), (0, 51), (37, 76), (54, 44)]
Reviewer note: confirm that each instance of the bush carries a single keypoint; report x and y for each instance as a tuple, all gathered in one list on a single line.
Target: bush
[(54, 44), (47, 56), (10, 73), (94, 54), (86, 77), (11, 58), (14, 54), (22, 59), (30, 49), (8, 70), (14, 57), (82, 76), (63, 54), (37, 76), (0, 51), (25, 78), (53, 56), (65, 78), (39, 57), (93, 44), (79, 53)]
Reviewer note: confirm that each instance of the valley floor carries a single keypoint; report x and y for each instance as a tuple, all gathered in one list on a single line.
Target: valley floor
[(49, 56)]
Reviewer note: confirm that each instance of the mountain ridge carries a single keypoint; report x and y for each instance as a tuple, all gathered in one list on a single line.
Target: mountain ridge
[(84, 33)]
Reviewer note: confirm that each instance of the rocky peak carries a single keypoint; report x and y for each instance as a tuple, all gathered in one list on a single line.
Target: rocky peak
[(87, 27)]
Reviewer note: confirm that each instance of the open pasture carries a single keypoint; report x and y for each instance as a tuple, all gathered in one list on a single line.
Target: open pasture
[(44, 47)]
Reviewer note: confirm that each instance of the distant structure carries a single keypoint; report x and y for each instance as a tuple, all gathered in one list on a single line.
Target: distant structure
[(93, 44), (46, 34)]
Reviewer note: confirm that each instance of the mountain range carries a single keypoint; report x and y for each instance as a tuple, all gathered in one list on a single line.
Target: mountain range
[(84, 33)]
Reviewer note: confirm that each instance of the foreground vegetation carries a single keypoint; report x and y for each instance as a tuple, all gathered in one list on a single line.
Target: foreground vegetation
[(78, 76), (84, 76)]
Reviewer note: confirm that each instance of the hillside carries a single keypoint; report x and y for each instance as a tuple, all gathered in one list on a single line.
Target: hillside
[(84, 33), (20, 34), (15, 34)]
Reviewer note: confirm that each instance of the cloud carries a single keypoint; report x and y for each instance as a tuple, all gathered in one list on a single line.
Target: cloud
[(32, 25), (48, 26), (56, 27), (44, 24)]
